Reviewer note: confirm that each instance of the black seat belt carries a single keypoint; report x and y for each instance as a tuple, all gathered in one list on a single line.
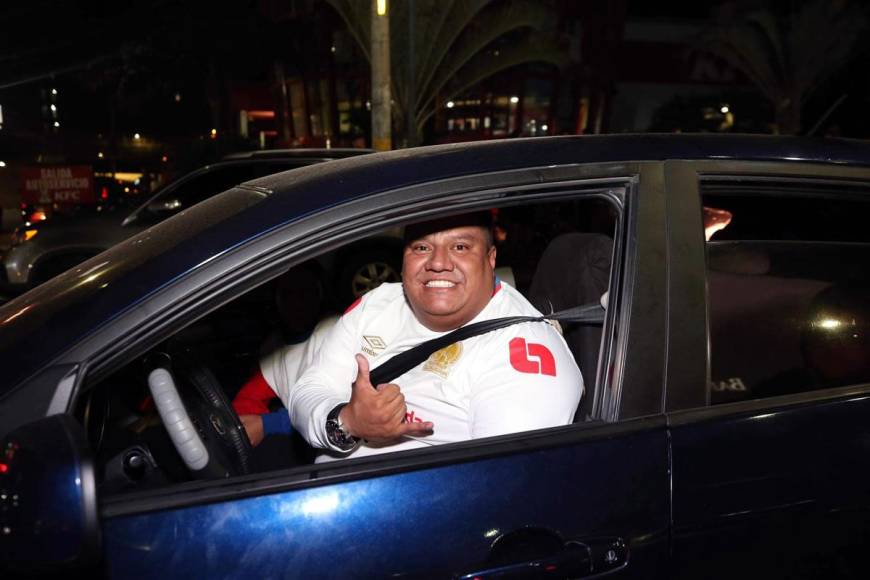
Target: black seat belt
[(592, 313)]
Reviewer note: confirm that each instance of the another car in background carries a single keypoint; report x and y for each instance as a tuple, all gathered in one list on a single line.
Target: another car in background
[(40, 251)]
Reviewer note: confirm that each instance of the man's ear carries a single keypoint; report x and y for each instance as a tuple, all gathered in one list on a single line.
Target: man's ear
[(491, 257)]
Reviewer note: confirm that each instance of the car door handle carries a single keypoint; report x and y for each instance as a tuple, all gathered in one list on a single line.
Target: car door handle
[(541, 553)]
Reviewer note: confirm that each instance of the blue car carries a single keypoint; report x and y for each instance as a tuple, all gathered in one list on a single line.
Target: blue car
[(724, 431)]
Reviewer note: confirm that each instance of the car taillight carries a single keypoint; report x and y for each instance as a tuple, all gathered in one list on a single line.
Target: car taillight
[(21, 235)]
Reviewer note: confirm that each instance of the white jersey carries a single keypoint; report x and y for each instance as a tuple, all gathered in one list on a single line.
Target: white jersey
[(281, 364), (518, 378)]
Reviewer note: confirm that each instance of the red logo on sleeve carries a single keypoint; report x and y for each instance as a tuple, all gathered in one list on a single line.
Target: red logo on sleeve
[(532, 358)]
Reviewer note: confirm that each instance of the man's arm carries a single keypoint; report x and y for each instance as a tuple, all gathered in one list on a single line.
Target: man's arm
[(527, 380), (326, 382), (339, 374)]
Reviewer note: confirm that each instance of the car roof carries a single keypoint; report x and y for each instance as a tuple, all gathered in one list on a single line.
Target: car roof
[(318, 153), (39, 325)]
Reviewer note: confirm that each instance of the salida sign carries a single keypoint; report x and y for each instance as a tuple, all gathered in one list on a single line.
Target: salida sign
[(63, 184)]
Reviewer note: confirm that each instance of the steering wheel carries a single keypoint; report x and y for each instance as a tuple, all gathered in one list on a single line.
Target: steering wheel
[(201, 422)]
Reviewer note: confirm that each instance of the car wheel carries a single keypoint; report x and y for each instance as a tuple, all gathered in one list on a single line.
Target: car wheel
[(366, 270)]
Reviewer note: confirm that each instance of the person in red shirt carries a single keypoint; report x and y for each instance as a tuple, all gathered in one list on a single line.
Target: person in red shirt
[(300, 301)]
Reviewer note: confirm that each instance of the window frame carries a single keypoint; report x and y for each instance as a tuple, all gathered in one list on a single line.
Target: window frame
[(266, 257), (689, 379)]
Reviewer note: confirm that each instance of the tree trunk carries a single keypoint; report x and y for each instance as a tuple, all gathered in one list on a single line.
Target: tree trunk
[(380, 54)]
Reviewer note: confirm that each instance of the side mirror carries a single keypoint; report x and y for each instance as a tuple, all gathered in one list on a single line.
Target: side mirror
[(48, 498)]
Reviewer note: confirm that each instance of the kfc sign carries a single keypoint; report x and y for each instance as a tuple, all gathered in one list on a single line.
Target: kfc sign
[(63, 184)]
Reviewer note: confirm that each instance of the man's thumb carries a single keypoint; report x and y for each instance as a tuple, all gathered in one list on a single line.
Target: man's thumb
[(363, 366)]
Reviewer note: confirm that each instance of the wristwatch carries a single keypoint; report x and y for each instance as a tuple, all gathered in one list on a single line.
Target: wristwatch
[(336, 433)]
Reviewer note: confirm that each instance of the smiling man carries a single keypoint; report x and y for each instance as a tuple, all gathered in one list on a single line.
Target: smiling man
[(518, 378)]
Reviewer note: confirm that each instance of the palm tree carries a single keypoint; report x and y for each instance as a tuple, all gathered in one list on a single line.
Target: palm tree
[(454, 47), (788, 55)]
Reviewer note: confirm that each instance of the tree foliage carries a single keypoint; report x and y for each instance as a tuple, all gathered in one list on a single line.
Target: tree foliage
[(788, 54), (457, 44)]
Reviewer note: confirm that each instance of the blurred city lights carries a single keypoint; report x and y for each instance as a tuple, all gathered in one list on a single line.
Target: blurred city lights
[(515, 100), (382, 7), (54, 91), (100, 154), (724, 110), (2, 164), (450, 104), (57, 123), (137, 136), (214, 133)]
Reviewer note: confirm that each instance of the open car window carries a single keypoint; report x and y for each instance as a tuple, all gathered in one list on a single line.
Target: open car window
[(557, 254)]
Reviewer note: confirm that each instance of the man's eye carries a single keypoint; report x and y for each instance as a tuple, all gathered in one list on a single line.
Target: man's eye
[(461, 247), (420, 248)]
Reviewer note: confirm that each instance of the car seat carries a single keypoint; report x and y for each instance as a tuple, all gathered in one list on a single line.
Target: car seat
[(574, 269)]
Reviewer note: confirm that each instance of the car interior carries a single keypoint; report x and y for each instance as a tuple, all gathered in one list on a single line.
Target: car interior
[(558, 254)]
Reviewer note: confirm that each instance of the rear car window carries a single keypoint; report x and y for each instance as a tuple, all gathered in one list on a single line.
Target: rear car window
[(788, 290)]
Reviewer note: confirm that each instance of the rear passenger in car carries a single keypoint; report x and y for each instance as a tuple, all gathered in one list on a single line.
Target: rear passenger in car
[(835, 343)]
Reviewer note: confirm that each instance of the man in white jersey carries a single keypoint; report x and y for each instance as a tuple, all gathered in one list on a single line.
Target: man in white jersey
[(518, 378)]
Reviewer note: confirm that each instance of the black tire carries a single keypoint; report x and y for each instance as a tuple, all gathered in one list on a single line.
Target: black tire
[(365, 270)]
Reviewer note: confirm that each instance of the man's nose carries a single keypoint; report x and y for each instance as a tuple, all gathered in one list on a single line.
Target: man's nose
[(439, 259)]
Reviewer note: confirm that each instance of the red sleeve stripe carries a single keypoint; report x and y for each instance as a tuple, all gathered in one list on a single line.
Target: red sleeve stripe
[(354, 305)]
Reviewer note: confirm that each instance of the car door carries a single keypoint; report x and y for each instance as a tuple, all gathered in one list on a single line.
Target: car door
[(770, 474), (574, 501)]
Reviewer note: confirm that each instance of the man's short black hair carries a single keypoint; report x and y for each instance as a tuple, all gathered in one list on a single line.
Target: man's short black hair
[(481, 219)]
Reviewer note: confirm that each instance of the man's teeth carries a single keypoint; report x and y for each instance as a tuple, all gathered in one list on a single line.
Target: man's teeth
[(440, 284)]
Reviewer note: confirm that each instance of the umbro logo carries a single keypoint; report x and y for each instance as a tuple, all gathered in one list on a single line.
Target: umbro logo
[(373, 345)]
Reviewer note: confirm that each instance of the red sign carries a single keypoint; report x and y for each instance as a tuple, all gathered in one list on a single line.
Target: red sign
[(63, 184)]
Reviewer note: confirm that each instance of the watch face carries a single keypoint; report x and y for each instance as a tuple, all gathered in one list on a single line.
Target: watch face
[(336, 435)]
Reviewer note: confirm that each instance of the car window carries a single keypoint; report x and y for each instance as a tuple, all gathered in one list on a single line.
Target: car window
[(556, 254), (204, 186), (788, 290)]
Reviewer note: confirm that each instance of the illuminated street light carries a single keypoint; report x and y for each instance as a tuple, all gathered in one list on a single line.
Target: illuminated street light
[(450, 104), (382, 7), (57, 123), (2, 164), (515, 100), (137, 136), (100, 154), (724, 110)]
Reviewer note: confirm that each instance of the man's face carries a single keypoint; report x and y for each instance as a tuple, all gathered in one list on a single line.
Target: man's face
[(448, 276)]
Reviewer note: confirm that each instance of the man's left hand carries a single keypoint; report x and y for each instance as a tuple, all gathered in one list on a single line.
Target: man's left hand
[(253, 425)]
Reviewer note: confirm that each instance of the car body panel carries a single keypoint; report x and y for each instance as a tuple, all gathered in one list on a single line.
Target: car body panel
[(775, 486), (405, 525), (783, 489)]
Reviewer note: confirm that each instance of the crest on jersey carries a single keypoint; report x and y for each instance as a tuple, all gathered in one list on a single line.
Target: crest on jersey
[(440, 362)]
